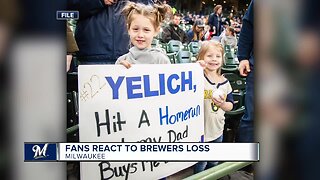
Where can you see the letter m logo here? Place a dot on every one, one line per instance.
(38, 152)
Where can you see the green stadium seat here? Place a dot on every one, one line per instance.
(183, 57)
(72, 115)
(194, 48)
(229, 69)
(155, 43)
(174, 46)
(237, 83)
(233, 117)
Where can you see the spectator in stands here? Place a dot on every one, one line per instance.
(197, 31)
(189, 19)
(215, 19)
(230, 19)
(246, 68)
(101, 32)
(217, 96)
(208, 32)
(143, 23)
(229, 38)
(173, 31)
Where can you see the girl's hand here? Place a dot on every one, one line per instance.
(218, 101)
(202, 63)
(125, 63)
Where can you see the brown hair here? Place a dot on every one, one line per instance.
(156, 13)
(201, 34)
(206, 45)
(216, 8)
(231, 29)
(177, 14)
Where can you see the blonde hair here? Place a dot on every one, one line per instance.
(155, 13)
(206, 45)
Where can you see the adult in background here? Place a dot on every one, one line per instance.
(188, 19)
(246, 68)
(229, 19)
(197, 31)
(101, 32)
(215, 21)
(173, 31)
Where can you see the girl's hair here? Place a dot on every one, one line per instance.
(216, 8)
(206, 45)
(231, 29)
(156, 13)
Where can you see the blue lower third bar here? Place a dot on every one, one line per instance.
(66, 15)
(40, 152)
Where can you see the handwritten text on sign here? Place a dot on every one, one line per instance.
(146, 103)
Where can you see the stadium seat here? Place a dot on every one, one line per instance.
(72, 115)
(233, 117)
(163, 45)
(194, 48)
(183, 57)
(155, 43)
(237, 83)
(188, 27)
(72, 82)
(229, 56)
(229, 69)
(174, 46)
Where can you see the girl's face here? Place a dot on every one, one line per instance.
(213, 58)
(141, 31)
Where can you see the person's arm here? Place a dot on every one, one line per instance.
(88, 8)
(245, 44)
(226, 106)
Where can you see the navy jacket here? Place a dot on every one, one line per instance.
(101, 32)
(245, 44)
(214, 20)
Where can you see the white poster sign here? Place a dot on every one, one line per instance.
(146, 103)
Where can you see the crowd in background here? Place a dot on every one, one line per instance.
(95, 30)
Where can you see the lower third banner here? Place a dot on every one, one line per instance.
(184, 152)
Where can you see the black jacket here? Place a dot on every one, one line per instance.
(174, 32)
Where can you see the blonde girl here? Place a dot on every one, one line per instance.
(143, 24)
(217, 95)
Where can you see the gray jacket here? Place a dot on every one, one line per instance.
(145, 56)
